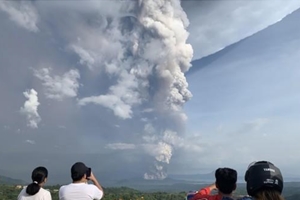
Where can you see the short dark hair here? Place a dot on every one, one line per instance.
(226, 180)
(78, 170)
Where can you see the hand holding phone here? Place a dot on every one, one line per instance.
(88, 173)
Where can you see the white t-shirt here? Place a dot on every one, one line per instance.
(41, 195)
(79, 191)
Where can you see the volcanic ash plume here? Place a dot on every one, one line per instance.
(162, 42)
(149, 59)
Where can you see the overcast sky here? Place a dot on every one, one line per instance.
(106, 85)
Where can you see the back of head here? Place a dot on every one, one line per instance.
(264, 180)
(226, 180)
(78, 170)
(38, 176)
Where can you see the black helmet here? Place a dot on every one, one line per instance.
(263, 174)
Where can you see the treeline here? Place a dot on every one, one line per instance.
(11, 193)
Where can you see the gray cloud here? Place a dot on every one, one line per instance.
(120, 146)
(23, 13)
(85, 57)
(30, 142)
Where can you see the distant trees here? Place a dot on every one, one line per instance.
(9, 192)
(124, 193)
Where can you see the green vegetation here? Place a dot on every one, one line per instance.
(9, 192)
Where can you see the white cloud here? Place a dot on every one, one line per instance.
(120, 146)
(22, 13)
(59, 87)
(30, 141)
(121, 97)
(217, 24)
(116, 48)
(116, 104)
(30, 108)
(86, 58)
(97, 48)
(161, 151)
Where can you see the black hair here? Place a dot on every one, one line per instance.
(38, 176)
(77, 176)
(78, 170)
(226, 180)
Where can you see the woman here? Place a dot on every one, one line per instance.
(34, 191)
(264, 181)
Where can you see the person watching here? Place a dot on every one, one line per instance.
(35, 190)
(225, 184)
(79, 188)
(264, 181)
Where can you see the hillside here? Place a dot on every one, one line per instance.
(11, 181)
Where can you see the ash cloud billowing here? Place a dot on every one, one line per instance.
(138, 52)
(149, 71)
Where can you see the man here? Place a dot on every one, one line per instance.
(80, 189)
(225, 184)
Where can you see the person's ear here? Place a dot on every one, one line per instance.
(45, 180)
(217, 186)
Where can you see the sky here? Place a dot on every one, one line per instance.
(113, 86)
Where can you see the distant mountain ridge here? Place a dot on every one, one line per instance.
(11, 181)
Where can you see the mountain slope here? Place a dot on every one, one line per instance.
(10, 181)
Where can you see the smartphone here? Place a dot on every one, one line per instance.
(88, 172)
